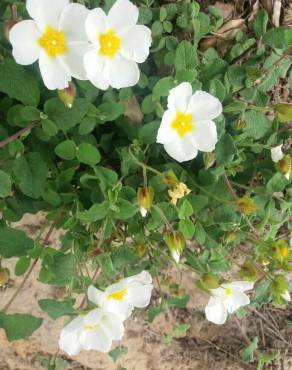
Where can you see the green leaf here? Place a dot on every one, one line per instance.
(148, 132)
(88, 154)
(217, 89)
(257, 124)
(248, 353)
(278, 37)
(22, 265)
(180, 302)
(87, 125)
(31, 172)
(163, 86)
(18, 83)
(5, 184)
(66, 150)
(276, 183)
(95, 213)
(14, 243)
(66, 118)
(62, 269)
(185, 56)
(187, 227)
(225, 213)
(118, 352)
(225, 149)
(110, 111)
(260, 23)
(284, 111)
(106, 265)
(125, 210)
(56, 308)
(185, 210)
(19, 326)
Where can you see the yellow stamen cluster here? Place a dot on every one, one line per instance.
(246, 205)
(110, 43)
(183, 123)
(92, 327)
(178, 192)
(228, 292)
(53, 42)
(118, 295)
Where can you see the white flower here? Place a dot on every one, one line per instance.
(55, 37)
(187, 125)
(143, 211)
(286, 296)
(227, 299)
(122, 297)
(96, 331)
(118, 44)
(276, 153)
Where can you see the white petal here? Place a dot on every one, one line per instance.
(54, 75)
(46, 12)
(123, 14)
(179, 96)
(181, 149)
(241, 286)
(143, 211)
(144, 277)
(219, 293)
(140, 295)
(72, 22)
(94, 295)
(166, 134)
(204, 106)
(175, 255)
(95, 24)
(235, 301)
(113, 325)
(94, 66)
(73, 59)
(205, 135)
(276, 153)
(286, 296)
(215, 311)
(23, 37)
(122, 309)
(287, 175)
(136, 42)
(69, 337)
(120, 72)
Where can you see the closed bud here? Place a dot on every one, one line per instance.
(176, 244)
(140, 249)
(209, 159)
(230, 236)
(7, 27)
(68, 95)
(248, 271)
(246, 205)
(145, 199)
(170, 178)
(4, 276)
(210, 281)
(284, 166)
(240, 124)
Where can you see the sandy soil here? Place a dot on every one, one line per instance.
(201, 348)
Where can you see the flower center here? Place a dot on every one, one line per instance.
(110, 43)
(118, 295)
(92, 327)
(183, 123)
(228, 292)
(53, 41)
(283, 251)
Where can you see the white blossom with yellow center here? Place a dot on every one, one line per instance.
(122, 297)
(55, 37)
(227, 299)
(187, 125)
(117, 45)
(94, 331)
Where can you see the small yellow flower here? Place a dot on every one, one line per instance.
(178, 192)
(246, 205)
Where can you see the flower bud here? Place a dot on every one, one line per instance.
(209, 159)
(248, 271)
(170, 178)
(176, 244)
(140, 249)
(4, 276)
(284, 166)
(240, 124)
(145, 199)
(209, 281)
(68, 95)
(8, 24)
(246, 205)
(230, 236)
